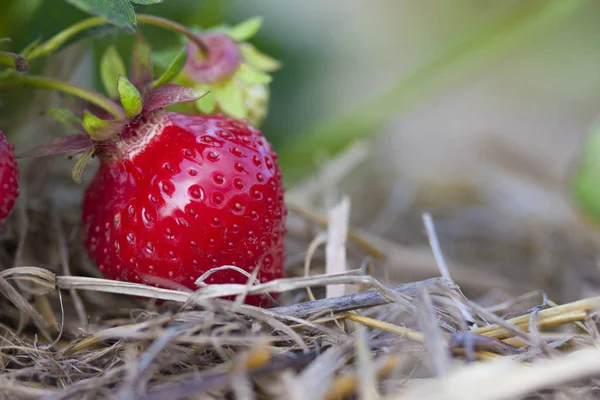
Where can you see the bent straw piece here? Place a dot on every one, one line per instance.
(575, 311)
(387, 327)
(354, 301)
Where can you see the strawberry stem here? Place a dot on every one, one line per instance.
(64, 87)
(55, 42)
(61, 38)
(173, 27)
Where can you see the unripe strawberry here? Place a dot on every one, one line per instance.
(234, 73)
(9, 178)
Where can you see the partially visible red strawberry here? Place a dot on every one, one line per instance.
(9, 178)
(180, 194)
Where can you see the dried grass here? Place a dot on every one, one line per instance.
(422, 340)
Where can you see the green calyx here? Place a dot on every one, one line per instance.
(130, 97)
(106, 119)
(258, 60)
(139, 94)
(229, 98)
(64, 116)
(245, 30)
(111, 67)
(93, 125)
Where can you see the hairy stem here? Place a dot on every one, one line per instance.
(55, 42)
(41, 82)
(61, 38)
(174, 27)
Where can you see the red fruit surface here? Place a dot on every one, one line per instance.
(9, 178)
(181, 194)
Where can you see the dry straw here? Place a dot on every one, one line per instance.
(68, 335)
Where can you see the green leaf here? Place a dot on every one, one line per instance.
(258, 60)
(130, 97)
(119, 12)
(173, 69)
(250, 76)
(65, 116)
(206, 104)
(230, 99)
(111, 66)
(245, 30)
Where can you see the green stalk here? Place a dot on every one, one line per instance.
(41, 82)
(173, 27)
(54, 43)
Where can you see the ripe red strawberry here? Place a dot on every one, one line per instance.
(9, 178)
(175, 195)
(180, 194)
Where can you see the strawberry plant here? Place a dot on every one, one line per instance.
(176, 194)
